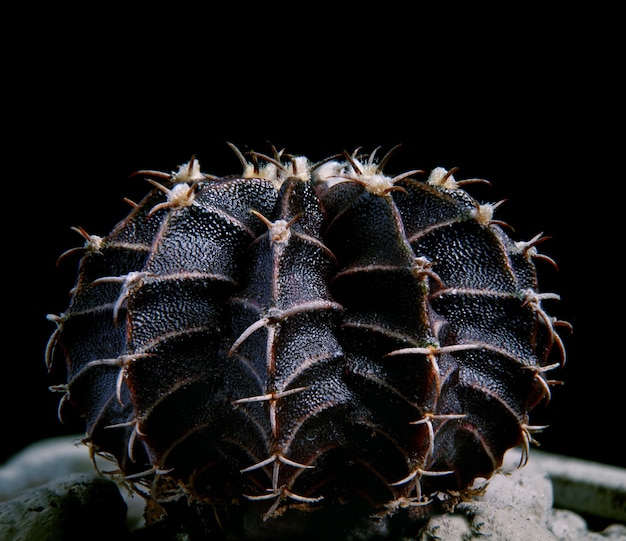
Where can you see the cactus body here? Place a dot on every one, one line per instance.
(306, 337)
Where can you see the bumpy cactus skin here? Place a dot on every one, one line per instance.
(305, 347)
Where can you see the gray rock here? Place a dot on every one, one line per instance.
(78, 507)
(53, 459)
(41, 462)
(568, 526)
(514, 507)
(521, 505)
(586, 487)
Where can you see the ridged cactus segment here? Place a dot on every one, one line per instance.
(285, 325)
(91, 338)
(177, 309)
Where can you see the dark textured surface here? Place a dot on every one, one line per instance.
(327, 335)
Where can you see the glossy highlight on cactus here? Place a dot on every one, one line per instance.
(306, 340)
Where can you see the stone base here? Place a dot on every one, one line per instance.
(51, 491)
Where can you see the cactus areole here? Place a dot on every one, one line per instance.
(305, 346)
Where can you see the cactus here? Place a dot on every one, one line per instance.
(306, 340)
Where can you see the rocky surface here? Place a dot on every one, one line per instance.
(51, 491)
(78, 506)
(520, 507)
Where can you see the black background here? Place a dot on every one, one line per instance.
(527, 101)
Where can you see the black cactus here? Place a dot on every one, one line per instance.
(306, 337)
